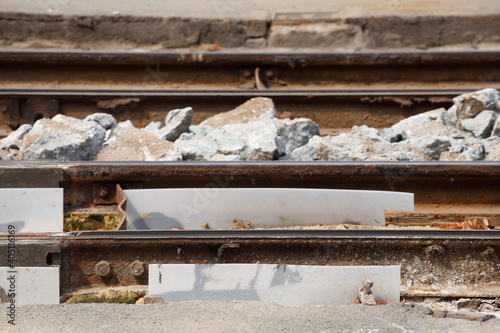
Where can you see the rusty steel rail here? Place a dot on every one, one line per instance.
(432, 182)
(276, 70)
(290, 234)
(303, 59)
(433, 263)
(443, 191)
(335, 89)
(328, 108)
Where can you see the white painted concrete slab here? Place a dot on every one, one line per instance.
(31, 285)
(31, 209)
(264, 207)
(289, 285)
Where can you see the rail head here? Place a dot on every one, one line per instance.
(280, 234)
(287, 59)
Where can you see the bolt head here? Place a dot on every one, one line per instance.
(270, 74)
(102, 268)
(137, 268)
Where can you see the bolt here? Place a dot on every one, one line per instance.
(247, 73)
(270, 74)
(489, 251)
(137, 268)
(102, 268)
(103, 191)
(302, 62)
(434, 249)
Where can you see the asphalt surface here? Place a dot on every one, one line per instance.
(206, 317)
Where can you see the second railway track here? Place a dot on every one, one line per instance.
(337, 90)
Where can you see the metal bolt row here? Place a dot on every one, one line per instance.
(103, 268)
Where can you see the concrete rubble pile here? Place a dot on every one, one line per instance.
(468, 131)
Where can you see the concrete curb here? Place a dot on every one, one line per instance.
(351, 34)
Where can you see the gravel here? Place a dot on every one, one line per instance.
(197, 316)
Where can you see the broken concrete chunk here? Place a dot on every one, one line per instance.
(449, 117)
(496, 128)
(132, 144)
(116, 130)
(63, 138)
(153, 127)
(176, 123)
(225, 158)
(481, 125)
(408, 154)
(471, 104)
(438, 122)
(365, 294)
(14, 139)
(492, 148)
(258, 108)
(362, 143)
(430, 145)
(394, 134)
(294, 133)
(251, 141)
(252, 132)
(431, 127)
(464, 149)
(104, 119)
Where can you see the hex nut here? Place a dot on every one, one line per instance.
(433, 250)
(103, 191)
(137, 268)
(102, 268)
(489, 252)
(247, 74)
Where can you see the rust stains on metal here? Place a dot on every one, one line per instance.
(443, 265)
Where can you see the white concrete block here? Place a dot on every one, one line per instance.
(31, 285)
(264, 207)
(31, 209)
(289, 285)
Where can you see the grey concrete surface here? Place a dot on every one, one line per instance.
(339, 25)
(263, 9)
(209, 317)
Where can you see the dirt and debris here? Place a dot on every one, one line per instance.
(209, 47)
(114, 103)
(466, 225)
(108, 296)
(76, 222)
(240, 225)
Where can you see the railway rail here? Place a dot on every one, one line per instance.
(333, 110)
(445, 263)
(279, 70)
(335, 89)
